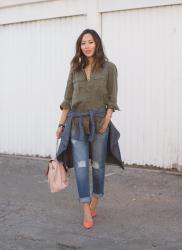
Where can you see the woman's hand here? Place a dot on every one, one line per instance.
(104, 126)
(106, 121)
(59, 132)
(62, 120)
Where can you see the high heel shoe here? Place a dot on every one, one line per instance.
(88, 224)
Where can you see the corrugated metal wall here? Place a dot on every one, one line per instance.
(34, 59)
(146, 46)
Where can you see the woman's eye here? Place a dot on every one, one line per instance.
(85, 43)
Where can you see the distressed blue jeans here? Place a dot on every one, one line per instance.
(80, 151)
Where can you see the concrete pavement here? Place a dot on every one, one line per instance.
(141, 210)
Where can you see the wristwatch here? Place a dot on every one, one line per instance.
(61, 125)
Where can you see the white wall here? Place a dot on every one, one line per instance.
(143, 38)
(35, 64)
(146, 47)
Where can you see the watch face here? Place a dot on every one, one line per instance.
(61, 125)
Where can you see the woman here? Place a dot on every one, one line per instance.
(89, 101)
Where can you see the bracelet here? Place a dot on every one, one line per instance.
(61, 125)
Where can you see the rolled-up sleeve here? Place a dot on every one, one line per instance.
(112, 87)
(66, 104)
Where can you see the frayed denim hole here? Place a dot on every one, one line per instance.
(82, 164)
(95, 164)
(73, 141)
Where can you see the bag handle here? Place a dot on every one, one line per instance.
(46, 172)
(57, 145)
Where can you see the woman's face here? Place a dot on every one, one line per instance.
(88, 45)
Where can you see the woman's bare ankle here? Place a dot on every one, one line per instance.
(87, 212)
(94, 203)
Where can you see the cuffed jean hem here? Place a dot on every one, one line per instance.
(85, 200)
(97, 195)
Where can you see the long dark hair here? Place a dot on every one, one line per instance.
(80, 60)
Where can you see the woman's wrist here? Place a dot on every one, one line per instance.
(108, 115)
(61, 125)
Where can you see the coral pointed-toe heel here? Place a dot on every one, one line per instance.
(93, 212)
(88, 224)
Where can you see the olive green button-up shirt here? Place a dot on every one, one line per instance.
(85, 95)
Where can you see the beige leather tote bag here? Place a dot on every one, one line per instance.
(58, 177)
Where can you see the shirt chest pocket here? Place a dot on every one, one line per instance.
(100, 83)
(79, 84)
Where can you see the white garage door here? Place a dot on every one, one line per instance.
(34, 68)
(146, 46)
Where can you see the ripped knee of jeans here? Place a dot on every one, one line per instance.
(73, 141)
(82, 164)
(95, 164)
